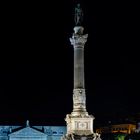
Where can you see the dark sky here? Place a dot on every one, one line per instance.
(36, 69)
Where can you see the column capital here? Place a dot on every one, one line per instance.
(78, 40)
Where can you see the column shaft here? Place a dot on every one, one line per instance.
(79, 68)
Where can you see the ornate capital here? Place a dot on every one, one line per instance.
(78, 40)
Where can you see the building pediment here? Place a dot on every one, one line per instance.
(27, 132)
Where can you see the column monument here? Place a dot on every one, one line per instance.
(79, 122)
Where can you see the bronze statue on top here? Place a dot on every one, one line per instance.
(78, 15)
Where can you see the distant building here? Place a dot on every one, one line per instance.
(32, 133)
(138, 128)
(118, 128)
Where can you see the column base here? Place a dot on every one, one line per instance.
(79, 124)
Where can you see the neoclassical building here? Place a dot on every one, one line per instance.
(32, 132)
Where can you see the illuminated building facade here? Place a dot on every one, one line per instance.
(31, 132)
(122, 128)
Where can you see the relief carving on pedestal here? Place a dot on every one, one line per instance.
(79, 96)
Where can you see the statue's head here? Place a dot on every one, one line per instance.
(78, 5)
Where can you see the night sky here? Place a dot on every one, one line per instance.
(36, 68)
